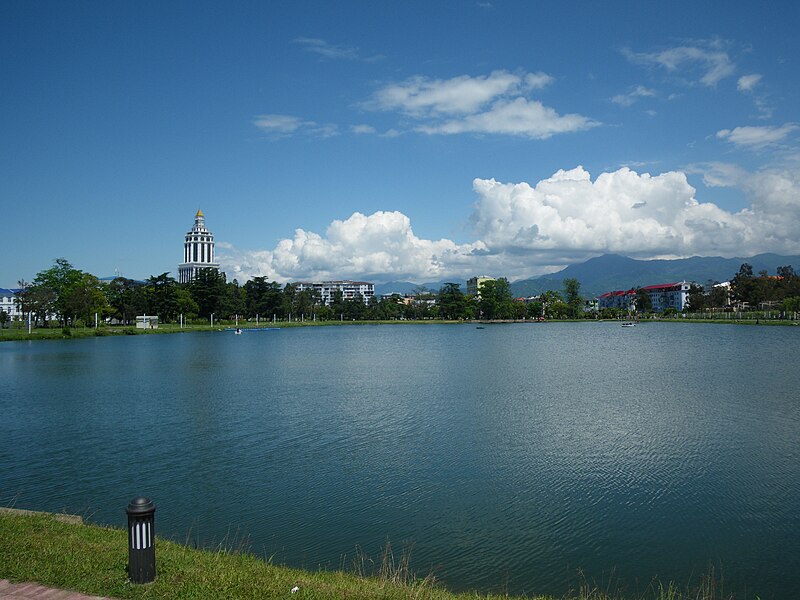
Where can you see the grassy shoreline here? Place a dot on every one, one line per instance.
(57, 333)
(41, 548)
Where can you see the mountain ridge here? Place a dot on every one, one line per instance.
(610, 272)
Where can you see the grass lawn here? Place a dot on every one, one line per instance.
(93, 560)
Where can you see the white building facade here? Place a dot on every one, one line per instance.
(8, 303)
(198, 250)
(662, 297)
(349, 289)
(668, 295)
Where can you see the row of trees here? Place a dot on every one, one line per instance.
(781, 291)
(73, 297)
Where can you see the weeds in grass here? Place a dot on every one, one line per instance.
(391, 569)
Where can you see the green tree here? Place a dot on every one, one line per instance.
(788, 282)
(743, 284)
(717, 296)
(234, 300)
(262, 298)
(572, 293)
(792, 304)
(643, 302)
(186, 304)
(50, 290)
(3, 319)
(84, 298)
(208, 289)
(161, 297)
(287, 304)
(337, 304)
(126, 299)
(696, 300)
(451, 302)
(496, 301)
(557, 309)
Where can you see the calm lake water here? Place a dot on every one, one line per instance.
(506, 458)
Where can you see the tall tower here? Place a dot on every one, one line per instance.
(198, 250)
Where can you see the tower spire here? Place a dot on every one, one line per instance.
(198, 250)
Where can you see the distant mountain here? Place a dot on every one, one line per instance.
(407, 287)
(614, 272)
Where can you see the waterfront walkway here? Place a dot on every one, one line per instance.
(34, 591)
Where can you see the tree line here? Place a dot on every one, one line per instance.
(73, 297)
(748, 290)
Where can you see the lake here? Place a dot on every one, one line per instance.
(506, 458)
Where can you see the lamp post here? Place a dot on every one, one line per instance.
(141, 540)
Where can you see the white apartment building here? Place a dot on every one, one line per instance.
(668, 295)
(8, 304)
(349, 289)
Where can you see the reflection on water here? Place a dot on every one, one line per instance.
(509, 457)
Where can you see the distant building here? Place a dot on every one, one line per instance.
(146, 322)
(668, 295)
(349, 289)
(624, 300)
(474, 284)
(662, 297)
(725, 286)
(198, 250)
(8, 303)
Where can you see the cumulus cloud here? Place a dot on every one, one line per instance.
(756, 137)
(378, 246)
(497, 103)
(706, 60)
(279, 126)
(633, 214)
(523, 229)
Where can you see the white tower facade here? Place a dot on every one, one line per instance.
(198, 250)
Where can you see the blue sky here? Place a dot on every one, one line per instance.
(386, 141)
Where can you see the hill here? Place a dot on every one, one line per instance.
(614, 272)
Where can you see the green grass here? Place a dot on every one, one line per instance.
(18, 333)
(93, 560)
(58, 333)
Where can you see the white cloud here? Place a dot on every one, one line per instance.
(756, 137)
(332, 51)
(537, 81)
(460, 95)
(633, 95)
(517, 117)
(638, 215)
(379, 246)
(496, 104)
(523, 230)
(747, 83)
(363, 129)
(706, 59)
(278, 126)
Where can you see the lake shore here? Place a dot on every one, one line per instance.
(67, 554)
(56, 333)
